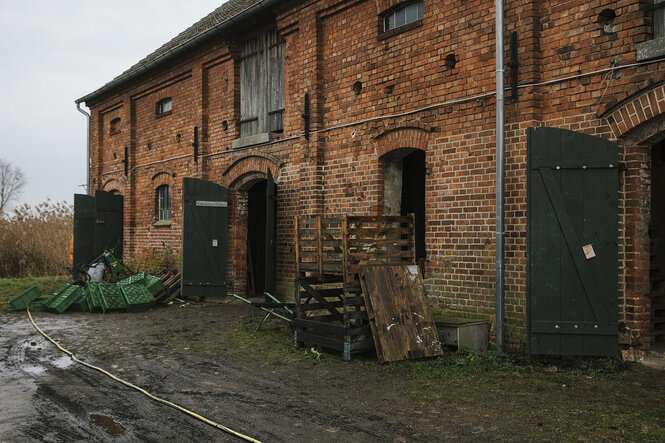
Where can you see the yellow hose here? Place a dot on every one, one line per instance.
(148, 394)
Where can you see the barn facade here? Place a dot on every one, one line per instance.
(371, 107)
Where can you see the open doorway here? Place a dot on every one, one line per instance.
(261, 235)
(657, 237)
(256, 238)
(404, 190)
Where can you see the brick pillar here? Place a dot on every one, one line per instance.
(635, 306)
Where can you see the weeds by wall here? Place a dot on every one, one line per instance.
(34, 240)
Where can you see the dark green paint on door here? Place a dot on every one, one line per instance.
(205, 224)
(84, 228)
(572, 203)
(108, 223)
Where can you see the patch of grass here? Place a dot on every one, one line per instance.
(11, 288)
(271, 345)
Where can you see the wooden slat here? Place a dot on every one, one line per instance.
(380, 242)
(297, 245)
(313, 292)
(399, 313)
(362, 232)
(379, 219)
(377, 255)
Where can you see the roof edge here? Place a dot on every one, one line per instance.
(261, 5)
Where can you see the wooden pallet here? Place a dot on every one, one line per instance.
(330, 251)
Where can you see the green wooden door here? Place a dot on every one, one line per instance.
(84, 225)
(205, 223)
(572, 214)
(108, 223)
(271, 235)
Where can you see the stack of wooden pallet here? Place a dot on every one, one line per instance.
(330, 252)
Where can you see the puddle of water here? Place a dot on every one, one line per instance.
(33, 369)
(110, 426)
(62, 362)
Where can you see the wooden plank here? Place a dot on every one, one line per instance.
(313, 292)
(399, 313)
(377, 242)
(379, 219)
(362, 232)
(345, 249)
(378, 254)
(319, 245)
(297, 244)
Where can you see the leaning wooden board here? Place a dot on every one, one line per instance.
(399, 313)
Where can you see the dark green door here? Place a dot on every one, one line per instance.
(84, 226)
(108, 223)
(572, 214)
(205, 223)
(271, 234)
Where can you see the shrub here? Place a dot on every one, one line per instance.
(34, 240)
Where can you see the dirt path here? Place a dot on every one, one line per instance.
(193, 356)
(50, 398)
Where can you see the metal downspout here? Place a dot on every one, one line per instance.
(87, 139)
(500, 122)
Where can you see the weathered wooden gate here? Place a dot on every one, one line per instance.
(572, 214)
(205, 224)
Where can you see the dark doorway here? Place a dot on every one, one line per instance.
(413, 196)
(657, 237)
(256, 238)
(404, 190)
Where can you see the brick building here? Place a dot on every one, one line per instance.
(398, 101)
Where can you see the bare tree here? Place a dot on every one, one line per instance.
(12, 182)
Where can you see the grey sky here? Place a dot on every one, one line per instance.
(54, 52)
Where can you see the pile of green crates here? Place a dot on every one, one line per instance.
(132, 294)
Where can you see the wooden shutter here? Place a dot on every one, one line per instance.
(262, 84)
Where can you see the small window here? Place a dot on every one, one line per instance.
(164, 107)
(164, 203)
(115, 126)
(403, 15)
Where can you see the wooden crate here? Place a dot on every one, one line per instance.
(330, 252)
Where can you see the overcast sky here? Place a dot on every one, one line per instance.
(53, 52)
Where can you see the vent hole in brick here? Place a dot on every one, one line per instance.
(450, 61)
(177, 138)
(225, 125)
(149, 146)
(606, 19)
(115, 155)
(389, 89)
(357, 88)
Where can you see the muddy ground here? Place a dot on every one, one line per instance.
(207, 357)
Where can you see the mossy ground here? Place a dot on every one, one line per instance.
(518, 395)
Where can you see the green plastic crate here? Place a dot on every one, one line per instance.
(64, 298)
(96, 301)
(41, 304)
(137, 297)
(154, 284)
(113, 297)
(25, 298)
(134, 279)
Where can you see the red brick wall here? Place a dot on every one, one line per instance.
(450, 115)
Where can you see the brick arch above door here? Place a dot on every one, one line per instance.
(639, 108)
(115, 183)
(249, 165)
(416, 136)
